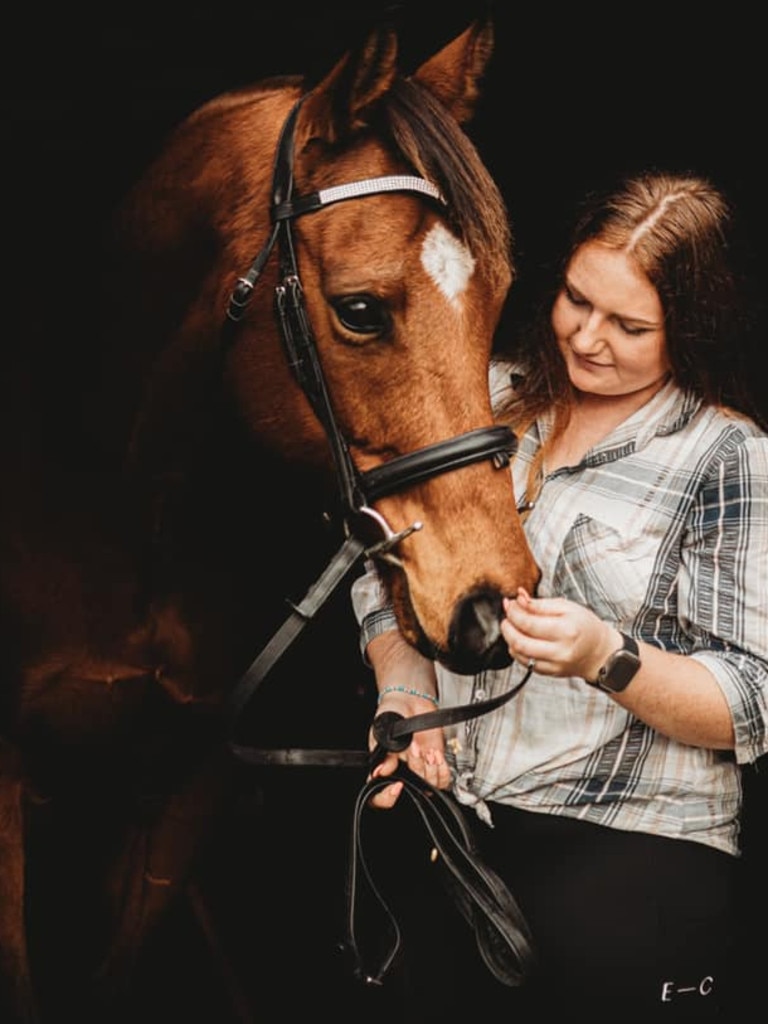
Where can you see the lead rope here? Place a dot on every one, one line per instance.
(347, 555)
(481, 897)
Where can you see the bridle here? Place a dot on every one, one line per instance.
(357, 490)
(497, 920)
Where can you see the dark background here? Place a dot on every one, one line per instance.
(571, 99)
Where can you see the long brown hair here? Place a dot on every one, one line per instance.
(678, 227)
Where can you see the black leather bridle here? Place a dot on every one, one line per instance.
(358, 490)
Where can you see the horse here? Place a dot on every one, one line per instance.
(298, 313)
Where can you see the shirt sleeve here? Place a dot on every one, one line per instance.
(372, 607)
(723, 587)
(501, 376)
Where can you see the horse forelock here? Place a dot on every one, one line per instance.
(433, 143)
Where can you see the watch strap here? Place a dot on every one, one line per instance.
(620, 668)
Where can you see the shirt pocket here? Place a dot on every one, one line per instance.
(609, 566)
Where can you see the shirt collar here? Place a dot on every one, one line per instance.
(668, 411)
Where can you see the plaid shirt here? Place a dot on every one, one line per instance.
(662, 530)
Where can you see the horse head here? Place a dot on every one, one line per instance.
(401, 291)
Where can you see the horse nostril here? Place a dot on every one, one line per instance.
(475, 636)
(488, 614)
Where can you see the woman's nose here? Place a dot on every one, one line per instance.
(587, 334)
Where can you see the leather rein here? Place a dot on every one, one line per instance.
(358, 490)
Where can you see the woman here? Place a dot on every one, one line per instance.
(609, 788)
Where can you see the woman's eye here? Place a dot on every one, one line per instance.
(573, 297)
(362, 314)
(633, 332)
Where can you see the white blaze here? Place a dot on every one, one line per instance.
(448, 262)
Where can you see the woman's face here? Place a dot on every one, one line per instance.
(609, 324)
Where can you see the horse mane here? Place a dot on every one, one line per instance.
(429, 139)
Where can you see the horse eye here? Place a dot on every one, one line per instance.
(362, 314)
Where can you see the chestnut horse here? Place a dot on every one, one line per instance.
(299, 317)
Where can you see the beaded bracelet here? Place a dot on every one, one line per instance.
(407, 690)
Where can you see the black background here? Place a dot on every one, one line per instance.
(572, 98)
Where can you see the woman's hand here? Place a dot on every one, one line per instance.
(562, 637)
(425, 754)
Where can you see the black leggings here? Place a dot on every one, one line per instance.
(623, 921)
(627, 926)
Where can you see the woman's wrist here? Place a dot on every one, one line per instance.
(408, 692)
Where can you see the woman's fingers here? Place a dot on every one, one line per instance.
(386, 798)
(429, 764)
(425, 761)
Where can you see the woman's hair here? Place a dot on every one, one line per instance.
(677, 227)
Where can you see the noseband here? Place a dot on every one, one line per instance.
(358, 490)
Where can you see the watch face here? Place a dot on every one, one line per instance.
(619, 671)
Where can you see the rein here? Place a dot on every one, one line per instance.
(358, 490)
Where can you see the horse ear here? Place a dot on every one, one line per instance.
(339, 105)
(453, 74)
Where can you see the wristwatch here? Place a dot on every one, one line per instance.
(619, 670)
